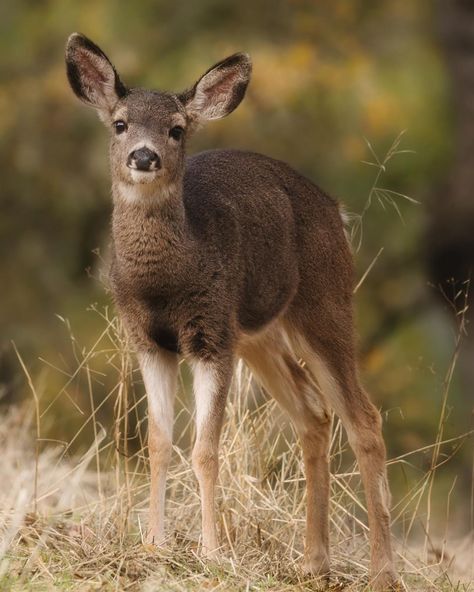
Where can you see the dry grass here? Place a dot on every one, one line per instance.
(71, 521)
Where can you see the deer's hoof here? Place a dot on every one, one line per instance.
(317, 566)
(154, 540)
(213, 554)
(386, 581)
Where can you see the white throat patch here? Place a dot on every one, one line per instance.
(144, 191)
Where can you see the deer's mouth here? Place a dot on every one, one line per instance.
(144, 176)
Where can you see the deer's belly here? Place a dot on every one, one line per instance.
(265, 302)
(165, 337)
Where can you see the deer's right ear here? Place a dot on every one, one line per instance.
(91, 74)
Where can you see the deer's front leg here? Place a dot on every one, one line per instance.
(211, 384)
(160, 372)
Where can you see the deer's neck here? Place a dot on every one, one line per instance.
(149, 230)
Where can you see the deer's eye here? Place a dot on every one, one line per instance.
(120, 126)
(176, 132)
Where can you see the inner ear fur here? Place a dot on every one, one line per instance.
(220, 90)
(91, 74)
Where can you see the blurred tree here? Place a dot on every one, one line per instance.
(451, 212)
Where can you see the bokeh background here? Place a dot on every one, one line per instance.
(334, 84)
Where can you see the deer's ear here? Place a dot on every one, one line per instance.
(220, 90)
(91, 74)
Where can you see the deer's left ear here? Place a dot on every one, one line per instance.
(220, 90)
(91, 75)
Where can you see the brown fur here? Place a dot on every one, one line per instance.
(228, 254)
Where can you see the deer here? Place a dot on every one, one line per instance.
(228, 255)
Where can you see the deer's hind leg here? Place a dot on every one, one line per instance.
(330, 357)
(276, 368)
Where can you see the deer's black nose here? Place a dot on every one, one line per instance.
(144, 159)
